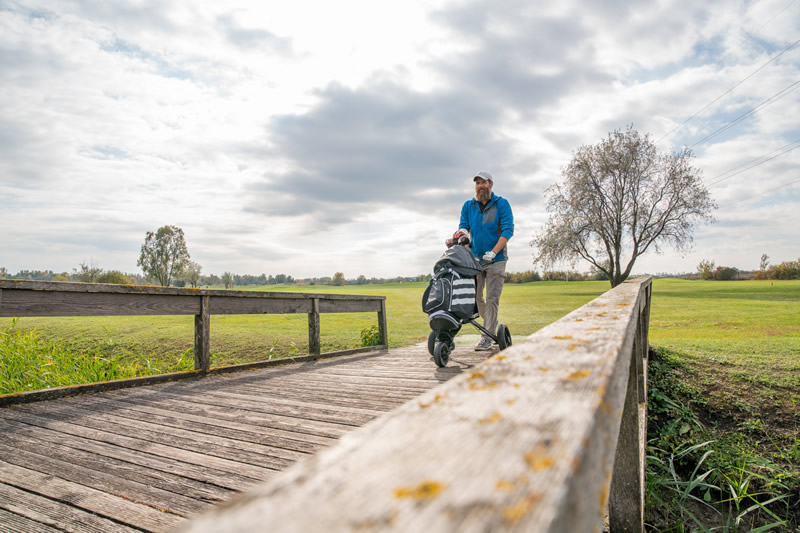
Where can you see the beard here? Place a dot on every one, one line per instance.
(483, 195)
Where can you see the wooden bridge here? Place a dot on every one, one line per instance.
(545, 436)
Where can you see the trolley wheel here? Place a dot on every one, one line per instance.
(503, 337)
(432, 341)
(441, 354)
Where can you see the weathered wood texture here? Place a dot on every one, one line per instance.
(147, 458)
(46, 298)
(525, 441)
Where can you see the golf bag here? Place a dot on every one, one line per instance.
(449, 298)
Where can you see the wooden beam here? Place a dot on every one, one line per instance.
(351, 306)
(231, 305)
(524, 441)
(59, 303)
(202, 327)
(57, 286)
(313, 328)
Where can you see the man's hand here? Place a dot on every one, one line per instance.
(489, 256)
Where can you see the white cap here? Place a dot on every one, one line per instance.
(484, 176)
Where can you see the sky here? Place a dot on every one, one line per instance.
(309, 137)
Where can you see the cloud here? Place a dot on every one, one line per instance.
(255, 40)
(380, 144)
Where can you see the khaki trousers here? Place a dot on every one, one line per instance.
(492, 278)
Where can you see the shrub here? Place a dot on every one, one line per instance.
(114, 276)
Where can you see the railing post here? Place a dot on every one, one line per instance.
(202, 324)
(313, 328)
(384, 331)
(626, 498)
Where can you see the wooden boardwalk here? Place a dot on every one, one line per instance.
(145, 459)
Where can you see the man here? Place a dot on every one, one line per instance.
(488, 217)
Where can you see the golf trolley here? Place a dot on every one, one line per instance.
(441, 348)
(450, 301)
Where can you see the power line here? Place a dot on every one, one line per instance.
(790, 4)
(770, 100)
(729, 90)
(759, 194)
(754, 161)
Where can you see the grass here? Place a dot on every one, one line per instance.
(724, 404)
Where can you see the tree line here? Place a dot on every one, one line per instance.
(708, 270)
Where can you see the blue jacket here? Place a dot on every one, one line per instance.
(487, 224)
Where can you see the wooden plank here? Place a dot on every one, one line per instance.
(102, 481)
(524, 441)
(204, 437)
(87, 498)
(305, 444)
(39, 303)
(202, 333)
(335, 416)
(343, 397)
(231, 305)
(204, 407)
(206, 445)
(34, 442)
(313, 328)
(14, 523)
(49, 514)
(349, 306)
(218, 482)
(234, 467)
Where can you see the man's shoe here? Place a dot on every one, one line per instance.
(484, 345)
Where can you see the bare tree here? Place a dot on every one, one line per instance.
(619, 199)
(89, 272)
(764, 262)
(164, 255)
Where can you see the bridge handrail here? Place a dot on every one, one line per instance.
(21, 298)
(544, 436)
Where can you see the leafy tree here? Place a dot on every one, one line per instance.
(764, 262)
(725, 273)
(338, 279)
(60, 277)
(227, 280)
(191, 274)
(619, 199)
(706, 269)
(164, 255)
(3, 273)
(114, 276)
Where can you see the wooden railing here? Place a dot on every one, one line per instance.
(546, 436)
(40, 298)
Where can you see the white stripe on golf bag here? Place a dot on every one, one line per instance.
(464, 301)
